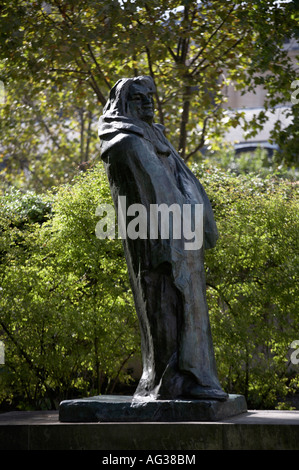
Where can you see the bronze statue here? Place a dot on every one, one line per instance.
(168, 280)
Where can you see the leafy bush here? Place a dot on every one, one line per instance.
(256, 162)
(251, 278)
(67, 315)
(67, 318)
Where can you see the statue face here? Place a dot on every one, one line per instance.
(141, 103)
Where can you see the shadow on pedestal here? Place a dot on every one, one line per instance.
(113, 408)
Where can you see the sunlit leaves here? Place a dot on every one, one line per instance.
(72, 53)
(68, 308)
(251, 275)
(66, 313)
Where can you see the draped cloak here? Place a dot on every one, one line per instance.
(168, 281)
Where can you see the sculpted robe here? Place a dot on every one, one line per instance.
(168, 281)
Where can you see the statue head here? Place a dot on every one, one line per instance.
(132, 98)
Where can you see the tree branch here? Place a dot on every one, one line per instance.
(184, 122)
(202, 139)
(185, 40)
(211, 37)
(221, 295)
(97, 90)
(93, 82)
(174, 56)
(119, 371)
(88, 136)
(52, 69)
(39, 372)
(196, 72)
(42, 121)
(98, 67)
(152, 74)
(62, 10)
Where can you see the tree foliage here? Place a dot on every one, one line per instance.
(58, 61)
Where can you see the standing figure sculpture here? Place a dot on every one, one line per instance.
(167, 280)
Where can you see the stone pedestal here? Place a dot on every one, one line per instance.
(253, 430)
(113, 408)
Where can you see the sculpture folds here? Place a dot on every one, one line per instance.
(168, 280)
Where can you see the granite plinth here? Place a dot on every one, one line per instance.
(113, 408)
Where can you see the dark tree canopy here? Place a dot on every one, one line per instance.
(58, 61)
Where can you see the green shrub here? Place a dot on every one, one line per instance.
(67, 317)
(251, 278)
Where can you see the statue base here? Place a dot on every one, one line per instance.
(114, 408)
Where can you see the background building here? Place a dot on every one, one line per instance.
(251, 104)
